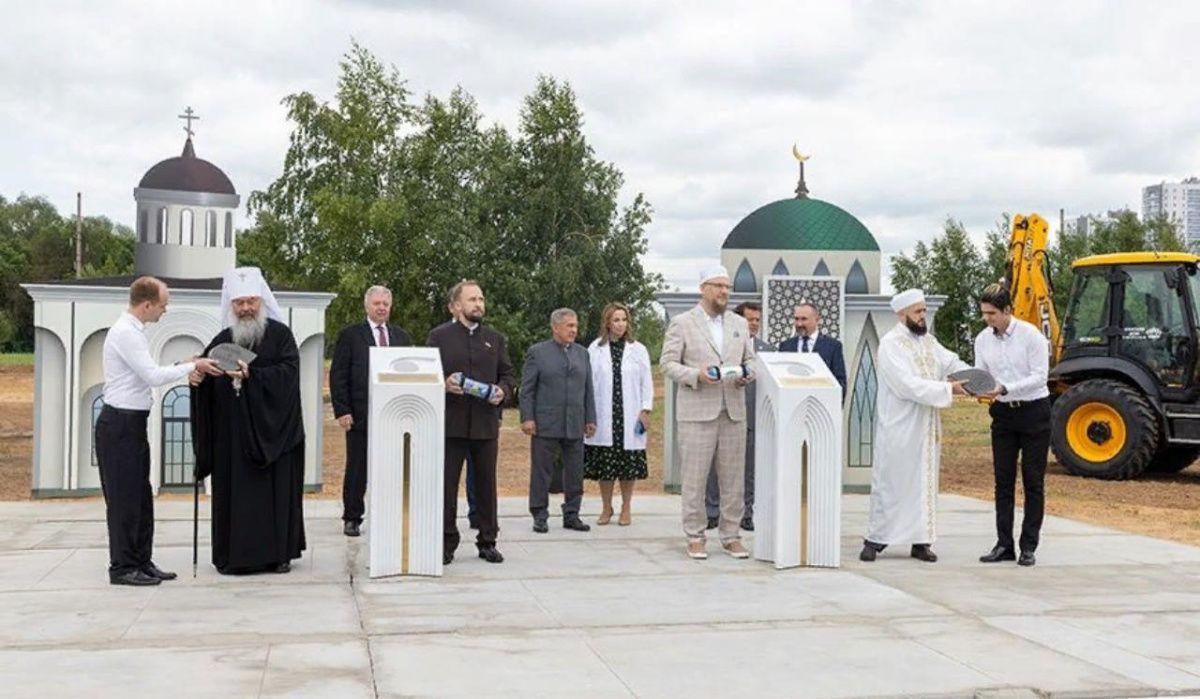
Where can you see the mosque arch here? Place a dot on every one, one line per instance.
(822, 269)
(856, 280)
(860, 426)
(780, 269)
(744, 280)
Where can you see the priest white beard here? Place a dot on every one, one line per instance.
(248, 332)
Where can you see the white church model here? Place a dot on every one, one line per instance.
(185, 236)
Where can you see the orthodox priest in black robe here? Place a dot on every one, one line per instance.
(248, 434)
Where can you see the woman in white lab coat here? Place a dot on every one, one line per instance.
(623, 387)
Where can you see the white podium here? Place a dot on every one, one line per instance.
(405, 449)
(798, 462)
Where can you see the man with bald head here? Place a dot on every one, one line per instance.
(122, 450)
(912, 370)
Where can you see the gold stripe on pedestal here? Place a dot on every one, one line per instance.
(395, 377)
(405, 517)
(804, 504)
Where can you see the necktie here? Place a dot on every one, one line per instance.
(804, 349)
(382, 336)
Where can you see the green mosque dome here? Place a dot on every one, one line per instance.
(800, 223)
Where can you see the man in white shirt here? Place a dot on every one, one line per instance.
(1017, 355)
(122, 450)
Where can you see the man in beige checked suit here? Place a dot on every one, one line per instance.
(711, 413)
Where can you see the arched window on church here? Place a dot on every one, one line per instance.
(822, 269)
(860, 432)
(187, 229)
(143, 226)
(856, 280)
(780, 269)
(177, 457)
(228, 229)
(744, 280)
(97, 406)
(210, 228)
(160, 230)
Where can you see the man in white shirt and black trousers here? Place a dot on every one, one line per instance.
(1017, 355)
(122, 449)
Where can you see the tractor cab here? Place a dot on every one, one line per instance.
(1128, 369)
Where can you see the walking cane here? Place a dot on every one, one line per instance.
(195, 523)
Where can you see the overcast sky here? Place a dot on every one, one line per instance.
(913, 111)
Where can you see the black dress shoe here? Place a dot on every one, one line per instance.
(748, 524)
(922, 552)
(156, 572)
(713, 522)
(997, 554)
(351, 529)
(575, 523)
(490, 554)
(540, 526)
(447, 557)
(134, 577)
(280, 568)
(1026, 559)
(870, 550)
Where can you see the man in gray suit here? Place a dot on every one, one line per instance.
(557, 412)
(752, 312)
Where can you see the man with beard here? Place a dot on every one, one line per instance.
(248, 433)
(912, 368)
(710, 412)
(470, 350)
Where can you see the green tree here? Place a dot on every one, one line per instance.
(376, 189)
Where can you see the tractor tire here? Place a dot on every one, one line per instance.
(1172, 459)
(1106, 429)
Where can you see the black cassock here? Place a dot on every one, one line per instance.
(252, 444)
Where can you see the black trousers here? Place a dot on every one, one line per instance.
(1020, 430)
(123, 455)
(482, 453)
(354, 481)
(545, 451)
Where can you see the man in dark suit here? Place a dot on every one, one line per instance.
(477, 352)
(807, 319)
(557, 412)
(348, 386)
(752, 312)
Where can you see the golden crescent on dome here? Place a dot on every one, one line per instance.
(797, 155)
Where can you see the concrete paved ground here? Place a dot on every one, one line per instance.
(615, 612)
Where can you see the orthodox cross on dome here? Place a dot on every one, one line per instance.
(189, 116)
(801, 188)
(242, 276)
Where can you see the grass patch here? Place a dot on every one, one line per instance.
(16, 359)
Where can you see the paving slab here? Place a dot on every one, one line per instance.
(614, 612)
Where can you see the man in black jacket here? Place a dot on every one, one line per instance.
(348, 386)
(470, 350)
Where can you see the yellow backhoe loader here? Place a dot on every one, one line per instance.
(1125, 375)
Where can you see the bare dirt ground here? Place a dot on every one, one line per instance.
(1161, 506)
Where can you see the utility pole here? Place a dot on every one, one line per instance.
(78, 234)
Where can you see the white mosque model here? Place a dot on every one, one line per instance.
(185, 236)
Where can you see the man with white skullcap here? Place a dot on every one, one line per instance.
(711, 411)
(248, 434)
(912, 370)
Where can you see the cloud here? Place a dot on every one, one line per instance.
(914, 112)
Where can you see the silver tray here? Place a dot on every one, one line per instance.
(977, 380)
(227, 354)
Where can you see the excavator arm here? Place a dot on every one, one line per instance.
(1028, 277)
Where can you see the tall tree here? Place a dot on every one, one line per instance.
(377, 189)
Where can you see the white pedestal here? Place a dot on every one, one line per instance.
(798, 462)
(405, 467)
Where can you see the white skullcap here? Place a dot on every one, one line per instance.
(904, 299)
(715, 272)
(243, 282)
